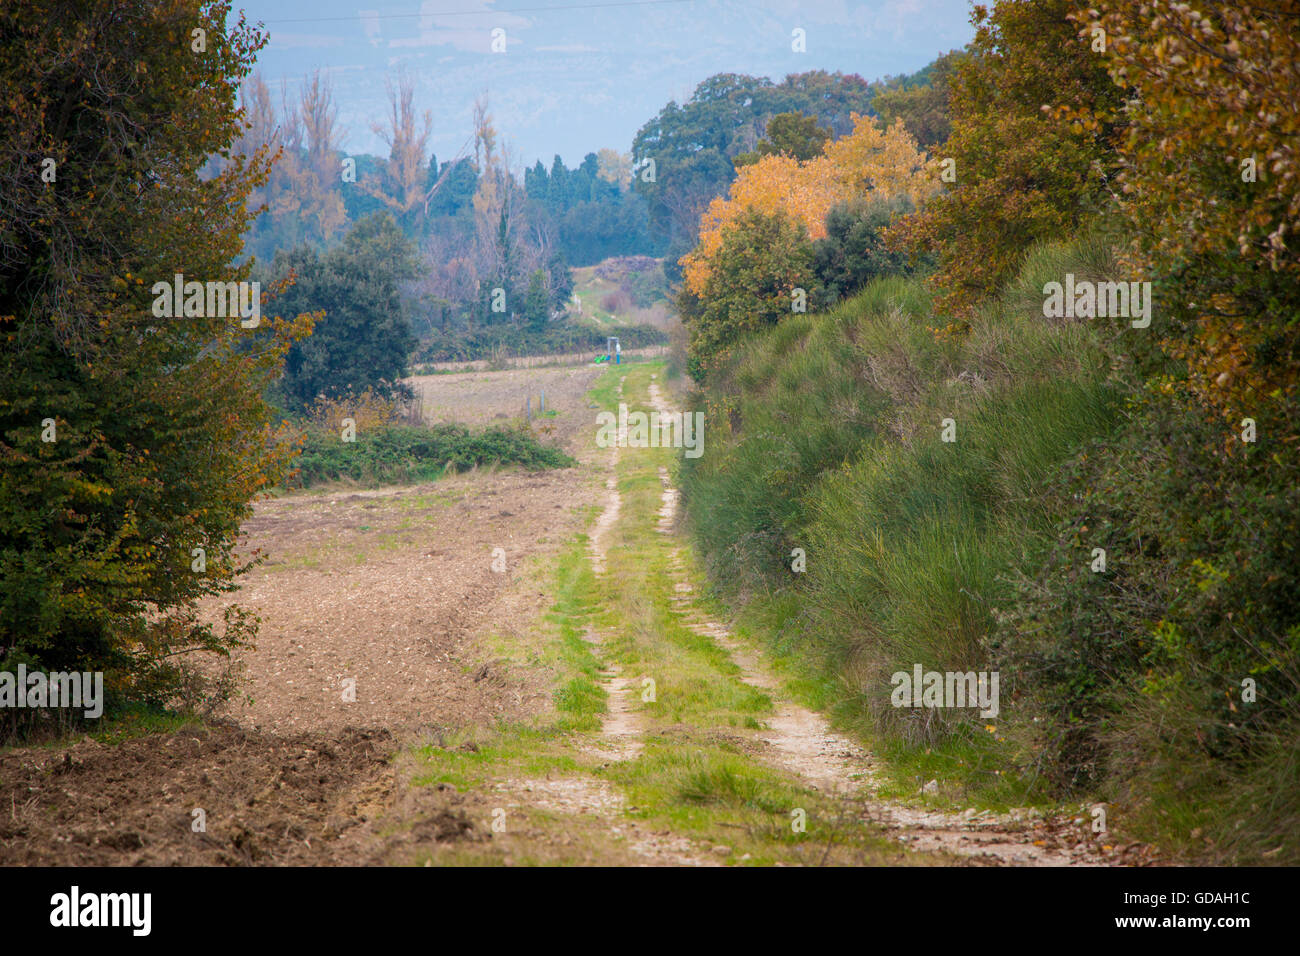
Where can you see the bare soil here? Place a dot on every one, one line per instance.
(264, 798)
(393, 589)
(379, 610)
(480, 398)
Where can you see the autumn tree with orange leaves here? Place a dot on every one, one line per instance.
(788, 201)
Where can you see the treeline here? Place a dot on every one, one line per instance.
(484, 253)
(610, 204)
(593, 209)
(485, 265)
(946, 469)
(685, 156)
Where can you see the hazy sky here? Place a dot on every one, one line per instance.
(580, 74)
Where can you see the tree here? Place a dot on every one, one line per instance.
(364, 338)
(455, 197)
(615, 167)
(788, 134)
(537, 309)
(300, 201)
(760, 264)
(882, 163)
(402, 186)
(692, 145)
(923, 107)
(854, 250)
(1208, 187)
(131, 443)
(559, 279)
(1025, 167)
(497, 218)
(589, 217)
(320, 171)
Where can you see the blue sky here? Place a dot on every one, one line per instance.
(578, 75)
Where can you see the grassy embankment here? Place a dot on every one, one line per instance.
(836, 448)
(979, 554)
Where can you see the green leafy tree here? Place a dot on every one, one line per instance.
(763, 259)
(537, 308)
(364, 338)
(923, 106)
(559, 279)
(455, 196)
(128, 440)
(596, 218)
(788, 134)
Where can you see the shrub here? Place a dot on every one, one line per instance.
(399, 454)
(762, 260)
(514, 340)
(854, 250)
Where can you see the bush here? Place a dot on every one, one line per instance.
(368, 410)
(647, 286)
(1201, 591)
(854, 251)
(400, 454)
(615, 302)
(763, 258)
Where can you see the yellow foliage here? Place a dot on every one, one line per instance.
(883, 160)
(870, 160)
(366, 409)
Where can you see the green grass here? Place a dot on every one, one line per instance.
(909, 539)
(124, 722)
